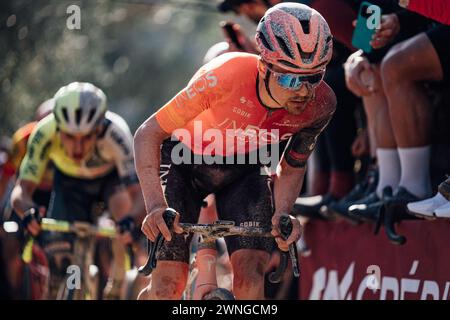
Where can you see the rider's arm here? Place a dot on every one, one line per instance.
(208, 85)
(147, 148)
(287, 186)
(205, 86)
(291, 170)
(33, 165)
(21, 196)
(292, 167)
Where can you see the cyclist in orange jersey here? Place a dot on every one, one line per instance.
(215, 135)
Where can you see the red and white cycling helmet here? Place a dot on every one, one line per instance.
(295, 37)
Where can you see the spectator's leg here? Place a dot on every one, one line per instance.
(381, 133)
(405, 65)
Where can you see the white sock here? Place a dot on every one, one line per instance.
(415, 177)
(389, 169)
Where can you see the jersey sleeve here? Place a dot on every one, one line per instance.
(206, 87)
(302, 144)
(19, 144)
(37, 155)
(121, 144)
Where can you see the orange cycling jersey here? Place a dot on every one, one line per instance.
(223, 96)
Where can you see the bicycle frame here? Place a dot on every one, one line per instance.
(83, 248)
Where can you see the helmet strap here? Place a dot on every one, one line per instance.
(266, 83)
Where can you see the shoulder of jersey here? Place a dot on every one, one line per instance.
(115, 122)
(117, 133)
(231, 68)
(47, 125)
(326, 98)
(234, 62)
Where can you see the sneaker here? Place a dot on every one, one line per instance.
(443, 211)
(425, 208)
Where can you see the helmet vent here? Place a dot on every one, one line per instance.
(288, 64)
(65, 114)
(78, 116)
(264, 41)
(284, 47)
(305, 26)
(91, 115)
(305, 55)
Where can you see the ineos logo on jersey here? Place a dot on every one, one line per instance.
(252, 131)
(209, 80)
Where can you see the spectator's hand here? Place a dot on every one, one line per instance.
(355, 67)
(295, 234)
(154, 223)
(245, 42)
(361, 145)
(389, 28)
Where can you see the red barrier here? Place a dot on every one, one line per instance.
(350, 262)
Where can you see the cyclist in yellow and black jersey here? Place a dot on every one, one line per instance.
(92, 152)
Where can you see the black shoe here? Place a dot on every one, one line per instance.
(394, 210)
(401, 197)
(309, 206)
(359, 191)
(368, 208)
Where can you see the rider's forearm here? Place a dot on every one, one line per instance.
(21, 199)
(287, 186)
(147, 158)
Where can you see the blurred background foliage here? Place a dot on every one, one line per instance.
(141, 53)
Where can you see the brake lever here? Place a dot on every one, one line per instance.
(286, 230)
(154, 247)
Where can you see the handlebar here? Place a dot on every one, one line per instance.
(81, 229)
(222, 228)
